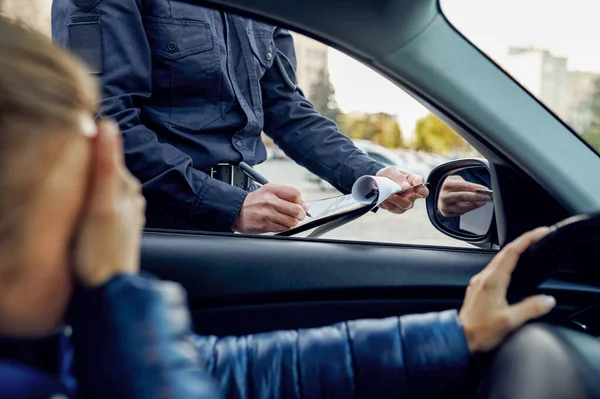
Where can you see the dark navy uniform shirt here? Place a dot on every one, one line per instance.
(192, 87)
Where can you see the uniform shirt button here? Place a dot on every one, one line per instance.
(171, 46)
(238, 143)
(269, 56)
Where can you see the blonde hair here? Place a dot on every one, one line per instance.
(43, 93)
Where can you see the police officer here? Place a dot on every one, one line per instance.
(192, 89)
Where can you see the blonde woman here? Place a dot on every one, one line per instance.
(76, 319)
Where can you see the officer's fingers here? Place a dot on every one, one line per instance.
(422, 192)
(415, 180)
(473, 187)
(464, 196)
(454, 185)
(287, 193)
(388, 206)
(398, 176)
(273, 227)
(289, 208)
(462, 186)
(398, 204)
(282, 219)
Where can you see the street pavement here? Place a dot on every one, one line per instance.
(413, 227)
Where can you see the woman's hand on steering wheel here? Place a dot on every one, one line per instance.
(486, 315)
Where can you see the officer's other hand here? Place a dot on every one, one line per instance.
(273, 208)
(459, 196)
(400, 203)
(486, 316)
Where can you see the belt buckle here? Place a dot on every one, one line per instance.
(232, 168)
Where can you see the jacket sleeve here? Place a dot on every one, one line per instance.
(111, 38)
(300, 131)
(390, 358)
(131, 340)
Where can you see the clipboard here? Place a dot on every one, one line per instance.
(368, 192)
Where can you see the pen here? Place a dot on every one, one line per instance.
(257, 177)
(253, 174)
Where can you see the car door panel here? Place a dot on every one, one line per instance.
(242, 284)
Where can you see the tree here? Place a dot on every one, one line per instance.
(433, 135)
(322, 96)
(380, 128)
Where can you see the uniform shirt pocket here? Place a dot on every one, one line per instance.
(183, 59)
(263, 45)
(185, 73)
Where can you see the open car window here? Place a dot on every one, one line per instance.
(381, 119)
(549, 47)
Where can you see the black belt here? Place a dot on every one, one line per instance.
(230, 174)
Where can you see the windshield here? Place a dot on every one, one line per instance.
(549, 47)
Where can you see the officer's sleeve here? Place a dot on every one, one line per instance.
(110, 38)
(301, 132)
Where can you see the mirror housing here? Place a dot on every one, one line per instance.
(469, 221)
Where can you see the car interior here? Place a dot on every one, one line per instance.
(540, 172)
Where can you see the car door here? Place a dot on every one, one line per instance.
(241, 284)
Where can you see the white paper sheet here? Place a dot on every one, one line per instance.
(364, 191)
(366, 185)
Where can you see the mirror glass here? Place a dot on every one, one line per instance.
(465, 201)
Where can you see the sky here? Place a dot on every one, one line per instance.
(565, 28)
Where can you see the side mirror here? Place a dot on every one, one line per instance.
(461, 201)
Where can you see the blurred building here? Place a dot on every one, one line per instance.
(581, 87)
(542, 73)
(312, 56)
(34, 13)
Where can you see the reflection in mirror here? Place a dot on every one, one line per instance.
(465, 202)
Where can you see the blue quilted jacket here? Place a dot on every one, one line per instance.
(132, 339)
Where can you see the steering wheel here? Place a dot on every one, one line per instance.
(541, 361)
(544, 362)
(573, 241)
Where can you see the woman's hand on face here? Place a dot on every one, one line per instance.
(109, 236)
(485, 315)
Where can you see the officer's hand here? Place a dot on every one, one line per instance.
(400, 203)
(273, 208)
(459, 196)
(486, 316)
